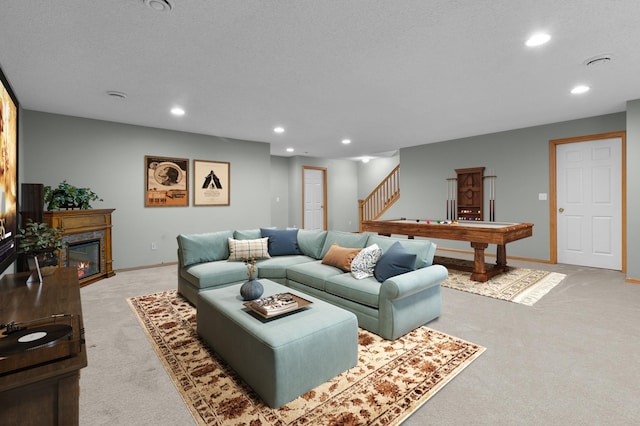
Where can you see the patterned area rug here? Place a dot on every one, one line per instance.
(519, 285)
(391, 381)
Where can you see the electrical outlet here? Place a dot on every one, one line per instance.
(154, 246)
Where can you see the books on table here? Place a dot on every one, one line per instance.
(275, 304)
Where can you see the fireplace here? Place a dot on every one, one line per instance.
(85, 256)
(86, 238)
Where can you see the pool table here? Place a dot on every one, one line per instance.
(479, 234)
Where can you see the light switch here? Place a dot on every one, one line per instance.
(542, 196)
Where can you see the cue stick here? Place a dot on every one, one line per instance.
(491, 197)
(449, 197)
(492, 212)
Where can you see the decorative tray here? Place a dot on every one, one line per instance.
(301, 304)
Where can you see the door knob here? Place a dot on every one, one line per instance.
(560, 209)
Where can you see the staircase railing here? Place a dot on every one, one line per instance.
(381, 198)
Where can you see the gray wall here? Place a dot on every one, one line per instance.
(633, 192)
(371, 174)
(109, 158)
(520, 159)
(280, 192)
(342, 192)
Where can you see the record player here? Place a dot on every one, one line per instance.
(27, 344)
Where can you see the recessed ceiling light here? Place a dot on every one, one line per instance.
(290, 149)
(278, 129)
(346, 141)
(538, 39)
(158, 5)
(580, 89)
(365, 159)
(177, 111)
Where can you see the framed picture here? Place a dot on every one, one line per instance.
(211, 183)
(166, 182)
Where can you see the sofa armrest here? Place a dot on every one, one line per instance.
(410, 300)
(409, 283)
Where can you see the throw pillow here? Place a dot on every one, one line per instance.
(281, 241)
(248, 249)
(394, 261)
(340, 257)
(344, 239)
(207, 247)
(363, 264)
(247, 234)
(311, 242)
(423, 249)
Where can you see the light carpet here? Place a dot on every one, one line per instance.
(519, 285)
(391, 381)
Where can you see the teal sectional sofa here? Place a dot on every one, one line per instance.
(402, 294)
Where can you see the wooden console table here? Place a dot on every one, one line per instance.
(41, 386)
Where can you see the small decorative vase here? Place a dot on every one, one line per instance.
(251, 289)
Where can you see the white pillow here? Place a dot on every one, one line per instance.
(363, 264)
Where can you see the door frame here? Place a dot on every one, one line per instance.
(324, 194)
(553, 202)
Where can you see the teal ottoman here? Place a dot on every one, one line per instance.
(279, 358)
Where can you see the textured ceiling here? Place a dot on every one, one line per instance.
(385, 74)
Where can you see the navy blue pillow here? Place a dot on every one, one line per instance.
(281, 241)
(395, 261)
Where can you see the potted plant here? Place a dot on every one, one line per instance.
(66, 196)
(39, 240)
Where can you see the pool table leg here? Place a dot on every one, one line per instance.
(479, 271)
(501, 258)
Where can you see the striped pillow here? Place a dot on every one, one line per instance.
(248, 249)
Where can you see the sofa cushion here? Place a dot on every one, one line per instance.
(276, 267)
(213, 274)
(423, 249)
(365, 291)
(343, 239)
(311, 242)
(247, 234)
(363, 264)
(207, 247)
(340, 257)
(281, 241)
(395, 261)
(312, 274)
(248, 249)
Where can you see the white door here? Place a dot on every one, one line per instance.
(589, 203)
(313, 199)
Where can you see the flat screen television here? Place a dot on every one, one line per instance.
(8, 173)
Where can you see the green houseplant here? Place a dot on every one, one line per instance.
(39, 240)
(67, 196)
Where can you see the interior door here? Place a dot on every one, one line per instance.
(314, 198)
(589, 203)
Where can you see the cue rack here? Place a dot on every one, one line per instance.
(465, 194)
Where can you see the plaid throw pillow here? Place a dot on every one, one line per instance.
(248, 249)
